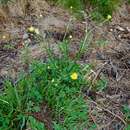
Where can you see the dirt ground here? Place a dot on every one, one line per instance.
(112, 60)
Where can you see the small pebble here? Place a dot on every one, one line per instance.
(25, 36)
(4, 37)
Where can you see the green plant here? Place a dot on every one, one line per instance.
(102, 8)
(4, 1)
(77, 5)
(9, 46)
(14, 104)
(105, 7)
(10, 106)
(127, 127)
(101, 84)
(102, 43)
(59, 82)
(126, 111)
(62, 93)
(34, 124)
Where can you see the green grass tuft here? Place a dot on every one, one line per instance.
(51, 82)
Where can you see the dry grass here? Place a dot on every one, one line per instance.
(3, 13)
(38, 6)
(21, 8)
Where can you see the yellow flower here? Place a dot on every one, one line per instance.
(37, 31)
(48, 67)
(109, 17)
(52, 80)
(31, 29)
(74, 76)
(4, 37)
(71, 7)
(40, 15)
(70, 36)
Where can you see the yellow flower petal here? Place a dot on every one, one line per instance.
(31, 29)
(40, 15)
(4, 37)
(71, 7)
(74, 76)
(37, 31)
(109, 17)
(70, 36)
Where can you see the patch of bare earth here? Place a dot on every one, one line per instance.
(113, 61)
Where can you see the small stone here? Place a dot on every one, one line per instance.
(128, 62)
(25, 36)
(119, 36)
(128, 29)
(120, 28)
(111, 29)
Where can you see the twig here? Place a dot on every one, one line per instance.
(108, 124)
(104, 109)
(96, 75)
(109, 98)
(99, 71)
(93, 119)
